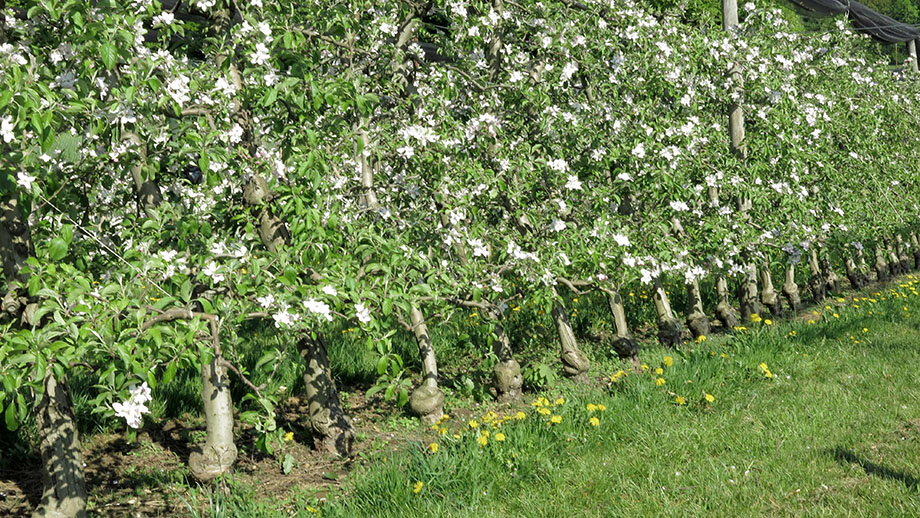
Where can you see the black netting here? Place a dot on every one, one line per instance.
(877, 25)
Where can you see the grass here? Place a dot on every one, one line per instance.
(833, 431)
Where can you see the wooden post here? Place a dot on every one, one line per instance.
(735, 113)
(912, 52)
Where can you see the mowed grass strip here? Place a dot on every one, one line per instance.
(834, 431)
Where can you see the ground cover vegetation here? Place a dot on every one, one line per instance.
(408, 184)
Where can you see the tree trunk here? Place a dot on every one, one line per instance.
(791, 290)
(426, 401)
(146, 189)
(332, 429)
(894, 264)
(625, 345)
(574, 362)
(901, 252)
(669, 328)
(15, 248)
(857, 278)
(217, 455)
(881, 266)
(64, 495)
(749, 303)
(697, 321)
(506, 376)
(724, 310)
(832, 280)
(768, 295)
(817, 282)
(915, 244)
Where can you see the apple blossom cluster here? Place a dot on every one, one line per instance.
(134, 408)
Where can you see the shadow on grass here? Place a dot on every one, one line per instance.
(871, 468)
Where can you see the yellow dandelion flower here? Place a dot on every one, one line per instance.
(312, 510)
(289, 436)
(602, 408)
(755, 318)
(556, 419)
(500, 437)
(544, 411)
(486, 434)
(680, 400)
(865, 330)
(668, 361)
(659, 382)
(417, 487)
(433, 447)
(793, 333)
(594, 421)
(473, 424)
(559, 401)
(811, 321)
(841, 299)
(701, 339)
(591, 407)
(709, 397)
(520, 415)
(644, 367)
(442, 430)
(723, 355)
(482, 440)
(767, 322)
(659, 371)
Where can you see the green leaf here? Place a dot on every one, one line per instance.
(77, 18)
(12, 423)
(5, 97)
(57, 249)
(170, 372)
(67, 233)
(382, 365)
(288, 464)
(108, 54)
(35, 284)
(185, 292)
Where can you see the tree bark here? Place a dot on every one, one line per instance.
(818, 284)
(624, 344)
(749, 303)
(574, 361)
(857, 278)
(791, 290)
(218, 454)
(64, 495)
(894, 264)
(881, 266)
(15, 248)
(697, 321)
(915, 244)
(768, 295)
(426, 401)
(832, 280)
(901, 249)
(724, 310)
(669, 328)
(506, 376)
(331, 427)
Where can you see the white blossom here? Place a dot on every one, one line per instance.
(24, 180)
(330, 290)
(6, 129)
(362, 313)
(679, 206)
(320, 308)
(574, 184)
(266, 301)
